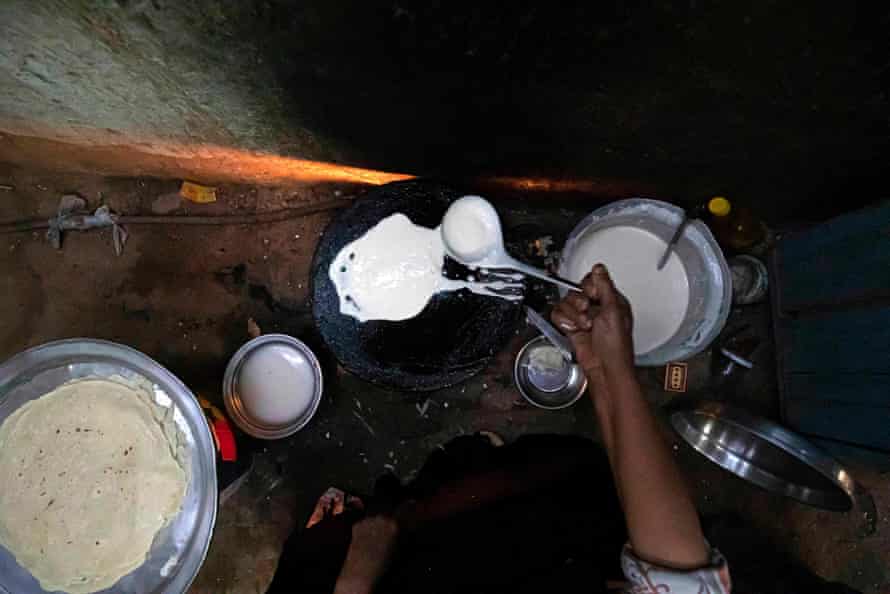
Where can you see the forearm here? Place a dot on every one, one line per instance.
(661, 519)
(359, 573)
(347, 584)
(372, 547)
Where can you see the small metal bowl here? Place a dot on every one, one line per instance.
(232, 398)
(545, 390)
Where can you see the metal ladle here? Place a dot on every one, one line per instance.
(493, 254)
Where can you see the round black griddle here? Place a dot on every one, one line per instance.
(453, 338)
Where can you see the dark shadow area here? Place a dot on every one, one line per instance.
(540, 514)
(760, 566)
(781, 106)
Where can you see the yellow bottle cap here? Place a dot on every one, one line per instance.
(719, 206)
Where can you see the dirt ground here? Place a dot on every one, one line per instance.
(184, 297)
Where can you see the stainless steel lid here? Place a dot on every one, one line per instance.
(235, 404)
(766, 454)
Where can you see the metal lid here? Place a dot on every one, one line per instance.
(240, 410)
(766, 454)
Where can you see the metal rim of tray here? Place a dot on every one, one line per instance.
(39, 358)
(700, 428)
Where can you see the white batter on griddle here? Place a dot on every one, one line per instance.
(658, 298)
(392, 271)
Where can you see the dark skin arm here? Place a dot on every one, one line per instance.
(661, 518)
(373, 543)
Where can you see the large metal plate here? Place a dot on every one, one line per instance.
(180, 547)
(767, 455)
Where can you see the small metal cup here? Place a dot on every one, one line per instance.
(545, 390)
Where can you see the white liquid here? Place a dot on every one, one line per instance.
(389, 273)
(547, 359)
(658, 298)
(547, 368)
(394, 269)
(471, 228)
(276, 384)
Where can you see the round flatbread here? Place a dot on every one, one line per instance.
(88, 477)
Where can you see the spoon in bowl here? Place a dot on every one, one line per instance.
(471, 232)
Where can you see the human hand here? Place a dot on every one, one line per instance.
(372, 547)
(599, 324)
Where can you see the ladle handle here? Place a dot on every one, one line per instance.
(540, 274)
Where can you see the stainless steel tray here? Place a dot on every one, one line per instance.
(180, 547)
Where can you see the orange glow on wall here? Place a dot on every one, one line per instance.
(545, 184)
(211, 164)
(203, 163)
(274, 168)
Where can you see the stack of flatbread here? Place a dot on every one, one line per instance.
(88, 477)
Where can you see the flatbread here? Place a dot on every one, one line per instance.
(87, 479)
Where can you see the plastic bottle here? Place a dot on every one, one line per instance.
(735, 227)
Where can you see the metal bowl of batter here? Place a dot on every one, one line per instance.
(180, 547)
(696, 254)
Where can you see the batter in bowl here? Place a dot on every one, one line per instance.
(658, 298)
